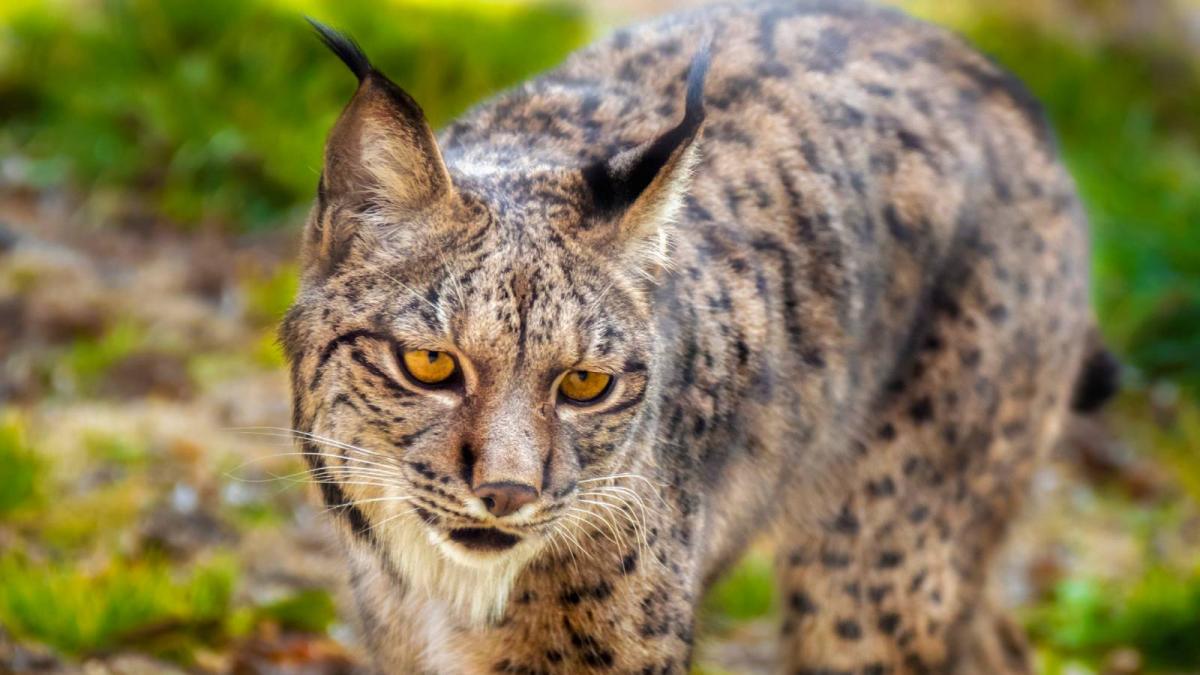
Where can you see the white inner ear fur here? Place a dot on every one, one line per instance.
(403, 181)
(648, 226)
(404, 175)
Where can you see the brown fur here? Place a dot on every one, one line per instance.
(847, 312)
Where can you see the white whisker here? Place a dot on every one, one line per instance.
(608, 520)
(391, 470)
(280, 432)
(359, 502)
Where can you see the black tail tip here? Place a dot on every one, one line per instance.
(344, 47)
(1098, 381)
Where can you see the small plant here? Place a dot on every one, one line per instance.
(88, 360)
(20, 467)
(306, 611)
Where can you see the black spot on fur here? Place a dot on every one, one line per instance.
(829, 54)
(890, 559)
(800, 603)
(889, 622)
(846, 522)
(921, 410)
(884, 487)
(848, 629)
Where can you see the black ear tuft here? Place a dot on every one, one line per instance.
(345, 48)
(694, 106)
(615, 188)
(664, 146)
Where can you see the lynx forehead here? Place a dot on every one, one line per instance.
(807, 270)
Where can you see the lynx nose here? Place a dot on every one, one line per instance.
(502, 499)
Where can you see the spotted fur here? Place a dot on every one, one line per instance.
(838, 273)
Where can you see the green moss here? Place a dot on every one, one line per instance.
(269, 296)
(1050, 662)
(258, 514)
(208, 369)
(115, 450)
(79, 611)
(97, 518)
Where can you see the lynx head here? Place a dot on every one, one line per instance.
(472, 346)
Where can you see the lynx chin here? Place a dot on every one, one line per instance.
(803, 270)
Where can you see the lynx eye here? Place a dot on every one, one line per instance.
(584, 386)
(429, 367)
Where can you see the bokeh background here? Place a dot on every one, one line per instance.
(156, 160)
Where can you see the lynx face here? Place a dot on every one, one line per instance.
(491, 379)
(471, 347)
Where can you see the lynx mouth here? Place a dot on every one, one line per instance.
(483, 538)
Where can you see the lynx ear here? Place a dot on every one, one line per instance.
(383, 168)
(642, 189)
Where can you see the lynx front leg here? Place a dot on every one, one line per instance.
(989, 641)
(891, 577)
(846, 602)
(887, 601)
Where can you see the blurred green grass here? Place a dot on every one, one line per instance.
(746, 593)
(147, 603)
(80, 612)
(215, 112)
(1158, 615)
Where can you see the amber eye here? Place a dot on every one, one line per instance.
(429, 367)
(584, 386)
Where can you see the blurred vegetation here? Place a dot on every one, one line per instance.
(147, 603)
(1158, 615)
(215, 112)
(747, 592)
(88, 361)
(81, 612)
(19, 479)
